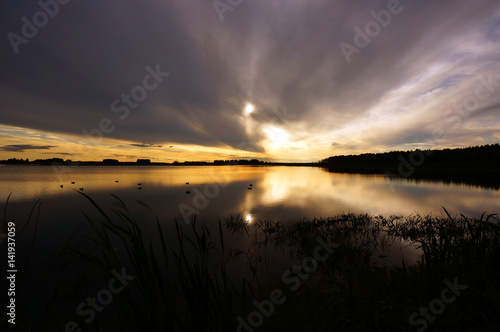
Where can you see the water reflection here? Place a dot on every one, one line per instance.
(276, 192)
(248, 218)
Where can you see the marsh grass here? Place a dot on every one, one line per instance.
(188, 285)
(23, 263)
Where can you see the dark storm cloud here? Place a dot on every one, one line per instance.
(146, 145)
(273, 53)
(23, 147)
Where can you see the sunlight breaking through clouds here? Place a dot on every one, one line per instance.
(226, 78)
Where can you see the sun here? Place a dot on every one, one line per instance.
(249, 109)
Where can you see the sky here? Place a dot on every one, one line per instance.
(276, 80)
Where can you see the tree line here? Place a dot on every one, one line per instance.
(484, 156)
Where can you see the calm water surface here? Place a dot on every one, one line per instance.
(215, 192)
(277, 192)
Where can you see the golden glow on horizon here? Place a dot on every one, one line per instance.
(76, 148)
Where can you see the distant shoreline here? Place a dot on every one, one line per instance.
(120, 164)
(395, 164)
(355, 169)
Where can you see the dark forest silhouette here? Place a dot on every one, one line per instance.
(479, 165)
(484, 156)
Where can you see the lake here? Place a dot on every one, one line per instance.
(219, 191)
(178, 193)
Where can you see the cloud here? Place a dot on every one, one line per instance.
(146, 145)
(58, 153)
(271, 53)
(23, 147)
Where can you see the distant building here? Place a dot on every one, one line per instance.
(143, 161)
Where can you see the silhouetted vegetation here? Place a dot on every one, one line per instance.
(50, 161)
(58, 162)
(186, 285)
(15, 161)
(483, 157)
(473, 165)
(110, 161)
(240, 162)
